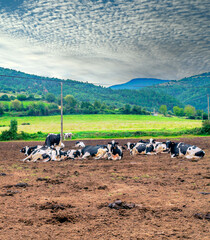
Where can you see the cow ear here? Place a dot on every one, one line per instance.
(123, 147)
(109, 143)
(116, 143)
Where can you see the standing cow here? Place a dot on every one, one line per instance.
(54, 140)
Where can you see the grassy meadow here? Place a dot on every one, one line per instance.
(88, 126)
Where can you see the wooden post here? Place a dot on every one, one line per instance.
(61, 112)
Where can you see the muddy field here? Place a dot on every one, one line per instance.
(162, 198)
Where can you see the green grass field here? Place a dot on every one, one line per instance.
(101, 123)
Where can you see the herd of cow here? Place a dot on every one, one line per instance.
(52, 150)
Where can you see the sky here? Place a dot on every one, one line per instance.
(106, 42)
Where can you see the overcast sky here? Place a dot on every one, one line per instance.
(105, 41)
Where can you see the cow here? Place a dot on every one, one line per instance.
(142, 148)
(67, 135)
(47, 154)
(79, 144)
(56, 154)
(98, 151)
(39, 154)
(130, 145)
(54, 140)
(160, 147)
(114, 151)
(185, 150)
(28, 150)
(72, 154)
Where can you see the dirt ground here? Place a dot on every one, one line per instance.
(69, 199)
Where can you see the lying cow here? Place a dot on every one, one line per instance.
(184, 150)
(142, 148)
(129, 145)
(54, 140)
(28, 150)
(47, 154)
(39, 154)
(98, 151)
(72, 154)
(79, 144)
(114, 151)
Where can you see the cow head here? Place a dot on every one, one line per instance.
(25, 150)
(169, 144)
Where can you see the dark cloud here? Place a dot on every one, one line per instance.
(110, 41)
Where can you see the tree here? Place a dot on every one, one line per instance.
(97, 105)
(189, 111)
(22, 97)
(16, 105)
(1, 109)
(4, 97)
(136, 110)
(127, 109)
(178, 111)
(50, 97)
(163, 109)
(70, 101)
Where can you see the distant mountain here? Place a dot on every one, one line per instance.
(16, 82)
(191, 90)
(138, 83)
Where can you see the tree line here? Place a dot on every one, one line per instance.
(50, 105)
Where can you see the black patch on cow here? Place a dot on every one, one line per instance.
(52, 139)
(200, 154)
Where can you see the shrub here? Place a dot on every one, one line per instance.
(206, 127)
(10, 134)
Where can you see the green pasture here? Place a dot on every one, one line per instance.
(25, 103)
(101, 123)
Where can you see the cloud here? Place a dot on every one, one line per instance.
(106, 41)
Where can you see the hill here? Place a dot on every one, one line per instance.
(191, 90)
(138, 83)
(31, 84)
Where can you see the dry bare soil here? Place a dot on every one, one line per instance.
(69, 199)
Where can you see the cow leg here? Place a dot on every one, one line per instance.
(36, 157)
(26, 159)
(87, 154)
(101, 153)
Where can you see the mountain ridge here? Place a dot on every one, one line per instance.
(186, 90)
(138, 83)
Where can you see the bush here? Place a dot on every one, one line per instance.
(10, 134)
(206, 127)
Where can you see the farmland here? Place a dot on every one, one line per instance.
(69, 199)
(101, 123)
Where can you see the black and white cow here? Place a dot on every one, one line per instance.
(98, 151)
(142, 148)
(160, 147)
(72, 154)
(28, 150)
(67, 135)
(130, 145)
(54, 140)
(47, 154)
(114, 151)
(79, 144)
(39, 154)
(184, 150)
